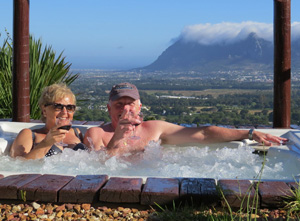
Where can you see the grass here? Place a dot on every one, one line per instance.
(185, 212)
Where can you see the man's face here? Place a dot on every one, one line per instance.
(116, 108)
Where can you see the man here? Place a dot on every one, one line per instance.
(123, 107)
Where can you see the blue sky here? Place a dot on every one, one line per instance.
(123, 34)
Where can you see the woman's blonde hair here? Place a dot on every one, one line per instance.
(55, 92)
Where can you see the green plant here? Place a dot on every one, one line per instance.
(186, 212)
(293, 202)
(45, 69)
(23, 195)
(6, 53)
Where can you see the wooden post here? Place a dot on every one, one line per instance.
(21, 80)
(282, 64)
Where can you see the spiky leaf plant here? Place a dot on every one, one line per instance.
(45, 69)
(292, 202)
(6, 53)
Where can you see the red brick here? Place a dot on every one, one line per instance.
(9, 185)
(82, 189)
(273, 193)
(45, 188)
(122, 190)
(160, 190)
(237, 193)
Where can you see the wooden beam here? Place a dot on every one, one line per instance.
(282, 64)
(21, 80)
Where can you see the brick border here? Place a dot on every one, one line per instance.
(161, 191)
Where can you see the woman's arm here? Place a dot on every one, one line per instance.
(23, 146)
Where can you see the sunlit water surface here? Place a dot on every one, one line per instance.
(158, 161)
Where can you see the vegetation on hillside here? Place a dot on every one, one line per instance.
(219, 102)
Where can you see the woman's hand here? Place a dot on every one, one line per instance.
(55, 135)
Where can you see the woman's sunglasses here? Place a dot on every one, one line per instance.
(59, 107)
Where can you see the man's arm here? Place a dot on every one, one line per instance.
(175, 134)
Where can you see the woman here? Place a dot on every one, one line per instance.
(57, 102)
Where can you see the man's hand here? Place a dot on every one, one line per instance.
(123, 130)
(126, 124)
(268, 139)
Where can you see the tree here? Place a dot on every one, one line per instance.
(45, 69)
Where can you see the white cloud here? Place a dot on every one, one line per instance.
(227, 32)
(295, 30)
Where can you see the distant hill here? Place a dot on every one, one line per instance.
(252, 54)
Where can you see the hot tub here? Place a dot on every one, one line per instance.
(232, 160)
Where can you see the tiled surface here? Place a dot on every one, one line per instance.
(100, 188)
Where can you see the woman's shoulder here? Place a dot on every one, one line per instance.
(26, 132)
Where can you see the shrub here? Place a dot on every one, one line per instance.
(45, 69)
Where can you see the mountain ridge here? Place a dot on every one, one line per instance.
(252, 53)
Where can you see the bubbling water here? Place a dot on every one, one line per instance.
(159, 161)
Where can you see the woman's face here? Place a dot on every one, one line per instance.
(57, 109)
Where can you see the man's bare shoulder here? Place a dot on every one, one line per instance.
(94, 130)
(158, 125)
(157, 122)
(100, 129)
(94, 137)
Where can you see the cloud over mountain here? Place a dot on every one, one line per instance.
(226, 32)
(209, 48)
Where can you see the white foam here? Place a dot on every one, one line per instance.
(230, 160)
(171, 161)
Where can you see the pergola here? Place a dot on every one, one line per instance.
(282, 63)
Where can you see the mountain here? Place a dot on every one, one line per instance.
(252, 53)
